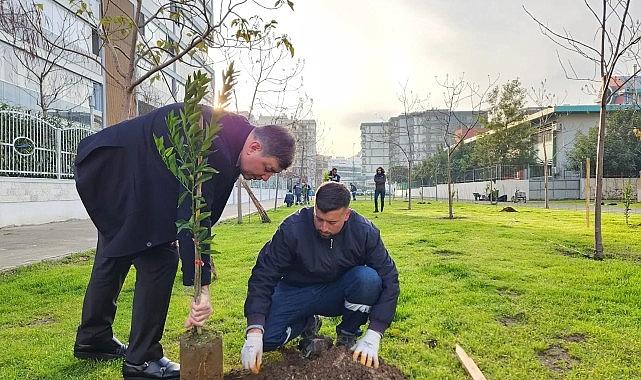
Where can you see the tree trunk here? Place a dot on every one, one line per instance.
(449, 187)
(259, 207)
(598, 239)
(276, 196)
(545, 173)
(239, 197)
(409, 187)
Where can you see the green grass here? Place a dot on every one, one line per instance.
(459, 278)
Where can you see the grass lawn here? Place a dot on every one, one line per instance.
(514, 289)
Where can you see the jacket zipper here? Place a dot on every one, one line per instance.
(331, 243)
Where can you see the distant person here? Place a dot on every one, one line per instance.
(379, 180)
(289, 199)
(323, 260)
(352, 189)
(333, 175)
(297, 193)
(305, 191)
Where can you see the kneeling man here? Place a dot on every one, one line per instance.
(323, 260)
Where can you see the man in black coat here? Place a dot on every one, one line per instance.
(131, 197)
(323, 260)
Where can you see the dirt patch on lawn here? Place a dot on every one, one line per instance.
(511, 320)
(447, 253)
(557, 359)
(508, 209)
(336, 363)
(39, 321)
(576, 337)
(507, 292)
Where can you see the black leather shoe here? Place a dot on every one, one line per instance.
(162, 368)
(102, 351)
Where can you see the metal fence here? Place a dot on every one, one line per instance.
(33, 147)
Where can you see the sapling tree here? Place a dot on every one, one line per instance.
(190, 142)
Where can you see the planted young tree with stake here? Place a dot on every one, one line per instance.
(191, 140)
(614, 46)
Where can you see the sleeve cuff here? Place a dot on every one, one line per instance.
(378, 326)
(256, 319)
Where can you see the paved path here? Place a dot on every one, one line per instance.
(24, 245)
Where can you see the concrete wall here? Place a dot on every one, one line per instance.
(557, 189)
(465, 191)
(41, 200)
(613, 187)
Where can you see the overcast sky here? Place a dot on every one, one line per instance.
(359, 52)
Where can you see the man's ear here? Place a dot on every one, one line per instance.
(348, 213)
(255, 146)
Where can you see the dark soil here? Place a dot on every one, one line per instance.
(508, 209)
(511, 320)
(557, 359)
(510, 293)
(447, 252)
(336, 363)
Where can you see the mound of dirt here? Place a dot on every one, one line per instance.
(336, 363)
(508, 209)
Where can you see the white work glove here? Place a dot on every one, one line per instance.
(367, 348)
(252, 352)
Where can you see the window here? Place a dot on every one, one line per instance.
(95, 42)
(97, 97)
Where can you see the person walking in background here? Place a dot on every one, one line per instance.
(297, 193)
(333, 175)
(379, 180)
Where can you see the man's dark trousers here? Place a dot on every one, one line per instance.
(358, 288)
(376, 195)
(155, 273)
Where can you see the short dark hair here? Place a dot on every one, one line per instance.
(277, 142)
(332, 196)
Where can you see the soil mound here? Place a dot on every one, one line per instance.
(508, 209)
(336, 363)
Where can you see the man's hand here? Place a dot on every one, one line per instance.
(252, 352)
(200, 311)
(367, 348)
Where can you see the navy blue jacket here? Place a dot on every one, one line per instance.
(299, 256)
(132, 197)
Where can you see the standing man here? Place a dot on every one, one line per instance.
(333, 175)
(305, 191)
(131, 197)
(379, 181)
(297, 193)
(323, 260)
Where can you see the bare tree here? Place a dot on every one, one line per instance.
(615, 44)
(458, 92)
(143, 43)
(405, 129)
(544, 99)
(270, 70)
(38, 60)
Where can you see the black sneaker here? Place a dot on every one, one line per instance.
(344, 339)
(311, 344)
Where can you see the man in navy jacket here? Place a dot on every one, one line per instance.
(323, 260)
(132, 197)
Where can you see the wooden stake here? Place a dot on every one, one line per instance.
(587, 191)
(469, 365)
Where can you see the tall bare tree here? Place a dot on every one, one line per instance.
(457, 93)
(37, 60)
(615, 45)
